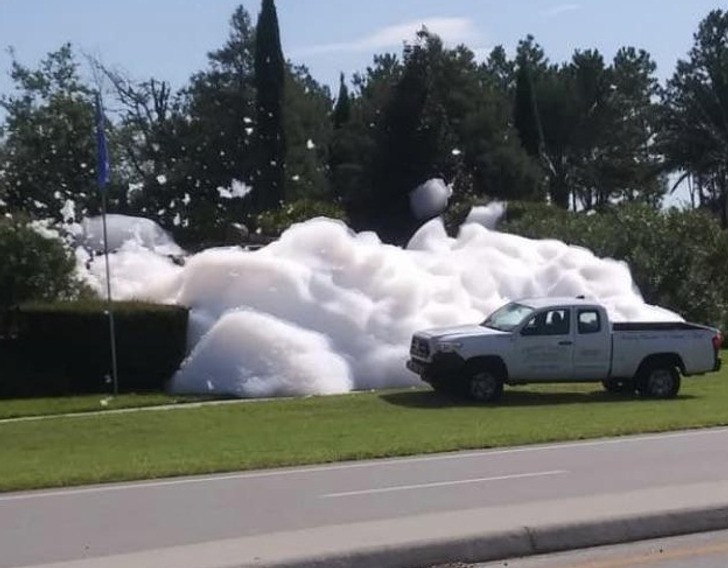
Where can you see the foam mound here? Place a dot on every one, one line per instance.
(122, 229)
(325, 310)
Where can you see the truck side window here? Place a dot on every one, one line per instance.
(553, 322)
(589, 322)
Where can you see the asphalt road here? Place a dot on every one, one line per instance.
(705, 550)
(282, 514)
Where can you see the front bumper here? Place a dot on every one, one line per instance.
(442, 367)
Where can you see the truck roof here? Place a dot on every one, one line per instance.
(562, 301)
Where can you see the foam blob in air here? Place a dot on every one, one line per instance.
(430, 199)
(326, 310)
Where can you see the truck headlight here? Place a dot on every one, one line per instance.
(449, 346)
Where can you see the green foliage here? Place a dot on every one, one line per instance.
(34, 267)
(435, 114)
(73, 338)
(308, 131)
(694, 135)
(211, 142)
(677, 258)
(270, 183)
(595, 123)
(276, 221)
(342, 109)
(48, 150)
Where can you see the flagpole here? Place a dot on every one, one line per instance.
(103, 178)
(109, 303)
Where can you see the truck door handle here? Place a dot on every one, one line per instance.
(565, 343)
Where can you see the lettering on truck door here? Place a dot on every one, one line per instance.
(545, 347)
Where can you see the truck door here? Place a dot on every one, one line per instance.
(592, 345)
(544, 347)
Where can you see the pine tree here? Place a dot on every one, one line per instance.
(269, 184)
(694, 137)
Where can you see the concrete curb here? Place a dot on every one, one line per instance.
(527, 541)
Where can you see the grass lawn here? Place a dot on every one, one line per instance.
(17, 408)
(112, 447)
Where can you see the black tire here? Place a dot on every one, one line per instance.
(659, 380)
(626, 386)
(484, 385)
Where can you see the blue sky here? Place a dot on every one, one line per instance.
(169, 39)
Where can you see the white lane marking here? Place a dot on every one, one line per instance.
(442, 484)
(356, 465)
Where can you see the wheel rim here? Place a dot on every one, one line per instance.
(482, 386)
(661, 382)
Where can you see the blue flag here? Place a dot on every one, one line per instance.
(102, 167)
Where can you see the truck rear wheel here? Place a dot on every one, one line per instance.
(659, 381)
(484, 385)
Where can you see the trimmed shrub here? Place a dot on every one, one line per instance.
(65, 348)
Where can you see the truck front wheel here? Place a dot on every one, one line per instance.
(484, 385)
(660, 381)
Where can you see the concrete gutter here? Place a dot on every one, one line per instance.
(524, 542)
(475, 535)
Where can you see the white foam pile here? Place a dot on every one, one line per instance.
(324, 310)
(122, 229)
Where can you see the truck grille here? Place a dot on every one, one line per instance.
(420, 348)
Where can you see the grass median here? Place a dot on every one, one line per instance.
(86, 449)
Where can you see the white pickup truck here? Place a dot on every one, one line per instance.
(557, 340)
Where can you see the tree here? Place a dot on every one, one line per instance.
(308, 130)
(48, 151)
(591, 125)
(630, 162)
(34, 267)
(530, 66)
(500, 69)
(341, 117)
(213, 140)
(525, 113)
(694, 136)
(342, 110)
(438, 113)
(269, 183)
(354, 144)
(145, 144)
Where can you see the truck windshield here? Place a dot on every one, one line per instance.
(508, 317)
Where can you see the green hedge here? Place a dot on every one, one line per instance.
(679, 259)
(64, 348)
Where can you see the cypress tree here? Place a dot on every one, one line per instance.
(525, 113)
(269, 81)
(342, 110)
